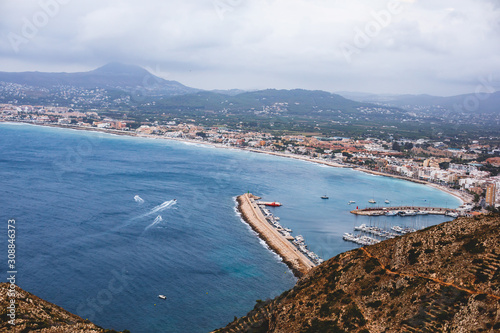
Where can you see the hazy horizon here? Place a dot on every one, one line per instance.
(341, 92)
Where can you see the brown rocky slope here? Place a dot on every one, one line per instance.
(441, 279)
(33, 314)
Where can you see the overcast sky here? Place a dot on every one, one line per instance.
(443, 47)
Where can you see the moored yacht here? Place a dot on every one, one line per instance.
(451, 214)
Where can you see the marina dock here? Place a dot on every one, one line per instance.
(375, 211)
(298, 262)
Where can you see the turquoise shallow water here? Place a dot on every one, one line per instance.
(85, 243)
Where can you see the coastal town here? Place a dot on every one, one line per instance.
(470, 172)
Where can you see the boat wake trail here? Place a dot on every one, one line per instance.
(138, 199)
(157, 220)
(162, 207)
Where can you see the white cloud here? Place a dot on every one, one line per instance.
(433, 47)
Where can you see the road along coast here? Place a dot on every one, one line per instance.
(291, 256)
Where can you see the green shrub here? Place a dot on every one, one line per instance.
(473, 246)
(370, 265)
(413, 256)
(481, 277)
(318, 326)
(325, 310)
(346, 300)
(353, 316)
(375, 304)
(335, 296)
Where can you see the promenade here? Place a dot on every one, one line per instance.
(291, 256)
(382, 210)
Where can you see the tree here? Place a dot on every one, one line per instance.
(396, 146)
(444, 165)
(346, 154)
(493, 209)
(408, 146)
(491, 169)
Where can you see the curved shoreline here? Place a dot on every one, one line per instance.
(464, 198)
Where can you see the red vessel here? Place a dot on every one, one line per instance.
(273, 204)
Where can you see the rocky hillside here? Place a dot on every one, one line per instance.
(36, 315)
(441, 279)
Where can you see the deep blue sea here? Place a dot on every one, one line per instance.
(87, 243)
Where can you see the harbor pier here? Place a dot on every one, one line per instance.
(374, 211)
(298, 262)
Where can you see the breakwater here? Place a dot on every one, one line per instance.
(292, 257)
(409, 210)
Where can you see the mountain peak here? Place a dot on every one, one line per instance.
(117, 68)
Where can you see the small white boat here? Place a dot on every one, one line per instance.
(351, 202)
(324, 197)
(387, 201)
(408, 213)
(397, 228)
(162, 296)
(138, 199)
(372, 201)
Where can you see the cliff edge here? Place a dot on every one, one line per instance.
(441, 279)
(33, 314)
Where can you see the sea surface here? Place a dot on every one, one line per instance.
(99, 233)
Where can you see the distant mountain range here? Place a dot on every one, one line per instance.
(296, 101)
(111, 76)
(144, 97)
(154, 93)
(130, 79)
(466, 103)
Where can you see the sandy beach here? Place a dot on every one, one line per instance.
(463, 197)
